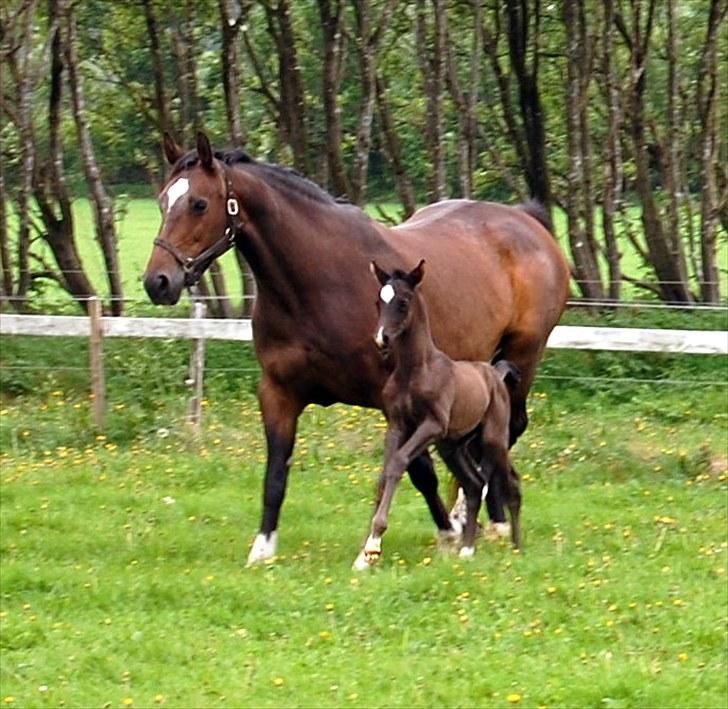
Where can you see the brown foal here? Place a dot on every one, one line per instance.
(428, 398)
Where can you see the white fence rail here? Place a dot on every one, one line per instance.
(563, 336)
(200, 329)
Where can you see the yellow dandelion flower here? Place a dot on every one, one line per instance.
(514, 698)
(158, 698)
(325, 635)
(278, 681)
(127, 702)
(682, 657)
(9, 700)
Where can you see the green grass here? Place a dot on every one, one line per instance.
(123, 554)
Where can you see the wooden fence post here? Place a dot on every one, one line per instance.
(197, 371)
(96, 355)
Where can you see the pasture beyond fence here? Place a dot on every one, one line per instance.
(198, 328)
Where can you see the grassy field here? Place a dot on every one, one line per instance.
(123, 579)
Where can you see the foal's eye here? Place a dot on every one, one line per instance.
(402, 306)
(199, 206)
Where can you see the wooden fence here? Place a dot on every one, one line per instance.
(198, 328)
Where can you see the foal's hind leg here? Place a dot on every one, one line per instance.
(473, 483)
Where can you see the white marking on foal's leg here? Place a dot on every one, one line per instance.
(485, 492)
(369, 555)
(264, 548)
(459, 512)
(467, 552)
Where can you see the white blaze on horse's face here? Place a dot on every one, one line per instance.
(387, 293)
(175, 191)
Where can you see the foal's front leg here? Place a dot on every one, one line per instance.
(397, 458)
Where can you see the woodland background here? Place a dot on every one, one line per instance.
(608, 112)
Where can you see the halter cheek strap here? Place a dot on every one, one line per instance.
(195, 266)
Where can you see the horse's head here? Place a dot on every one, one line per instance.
(199, 215)
(395, 302)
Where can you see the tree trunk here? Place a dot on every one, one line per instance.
(611, 192)
(231, 72)
(103, 206)
(393, 151)
(707, 100)
(672, 282)
(292, 103)
(332, 25)
(164, 122)
(432, 68)
(579, 197)
(368, 42)
(466, 100)
(520, 41)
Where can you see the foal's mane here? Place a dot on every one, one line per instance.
(279, 176)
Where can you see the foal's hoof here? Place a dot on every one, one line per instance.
(466, 552)
(497, 530)
(365, 561)
(263, 549)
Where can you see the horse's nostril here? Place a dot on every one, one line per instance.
(162, 283)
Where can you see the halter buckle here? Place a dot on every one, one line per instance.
(233, 209)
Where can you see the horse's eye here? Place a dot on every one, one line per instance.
(199, 206)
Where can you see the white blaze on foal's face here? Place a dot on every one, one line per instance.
(178, 188)
(387, 293)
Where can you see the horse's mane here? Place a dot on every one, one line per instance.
(277, 175)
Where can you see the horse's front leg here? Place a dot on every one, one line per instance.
(280, 415)
(396, 462)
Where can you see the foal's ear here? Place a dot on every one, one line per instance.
(172, 151)
(204, 150)
(382, 276)
(415, 275)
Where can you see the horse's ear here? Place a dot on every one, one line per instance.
(382, 276)
(415, 275)
(172, 151)
(204, 150)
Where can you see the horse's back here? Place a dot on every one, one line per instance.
(497, 263)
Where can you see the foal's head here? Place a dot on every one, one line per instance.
(193, 204)
(396, 302)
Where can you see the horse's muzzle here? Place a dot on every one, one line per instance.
(164, 287)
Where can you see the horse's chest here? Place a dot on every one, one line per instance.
(408, 407)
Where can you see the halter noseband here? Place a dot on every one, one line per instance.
(195, 266)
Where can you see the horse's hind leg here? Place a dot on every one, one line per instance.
(280, 416)
(513, 484)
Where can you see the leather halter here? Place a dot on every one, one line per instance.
(195, 266)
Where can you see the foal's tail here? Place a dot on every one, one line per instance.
(536, 209)
(509, 372)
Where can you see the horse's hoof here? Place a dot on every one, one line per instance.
(449, 540)
(497, 530)
(467, 552)
(264, 548)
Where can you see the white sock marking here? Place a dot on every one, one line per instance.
(263, 548)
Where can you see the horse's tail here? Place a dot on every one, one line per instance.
(536, 209)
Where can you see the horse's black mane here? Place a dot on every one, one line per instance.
(280, 175)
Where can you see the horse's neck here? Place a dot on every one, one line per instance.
(414, 348)
(285, 248)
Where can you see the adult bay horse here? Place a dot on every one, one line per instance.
(496, 288)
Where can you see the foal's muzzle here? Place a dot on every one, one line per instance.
(382, 341)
